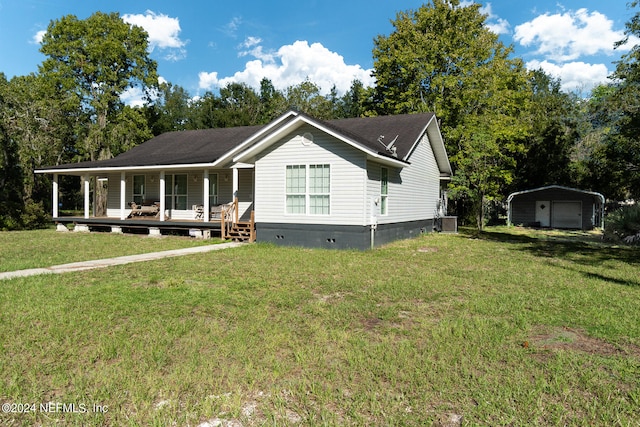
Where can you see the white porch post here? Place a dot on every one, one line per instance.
(236, 181)
(55, 195)
(123, 194)
(205, 204)
(86, 195)
(162, 195)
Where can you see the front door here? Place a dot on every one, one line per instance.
(543, 213)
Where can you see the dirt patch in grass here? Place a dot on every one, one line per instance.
(565, 338)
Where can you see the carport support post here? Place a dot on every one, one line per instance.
(123, 194)
(85, 179)
(55, 195)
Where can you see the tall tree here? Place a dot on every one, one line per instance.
(554, 119)
(272, 101)
(355, 102)
(306, 97)
(240, 106)
(10, 171)
(443, 58)
(170, 110)
(624, 142)
(98, 59)
(42, 124)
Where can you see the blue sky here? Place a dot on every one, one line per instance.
(204, 44)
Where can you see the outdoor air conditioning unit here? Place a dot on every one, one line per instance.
(449, 224)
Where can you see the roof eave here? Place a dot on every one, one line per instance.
(439, 150)
(94, 170)
(231, 155)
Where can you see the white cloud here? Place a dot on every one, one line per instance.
(164, 33)
(574, 76)
(291, 65)
(135, 97)
(37, 37)
(208, 81)
(569, 35)
(494, 22)
(231, 28)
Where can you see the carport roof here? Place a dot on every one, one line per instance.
(556, 187)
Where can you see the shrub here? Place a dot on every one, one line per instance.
(624, 225)
(34, 215)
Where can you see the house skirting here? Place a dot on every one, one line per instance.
(339, 236)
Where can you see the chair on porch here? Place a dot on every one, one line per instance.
(149, 208)
(198, 211)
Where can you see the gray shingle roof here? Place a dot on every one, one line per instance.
(208, 145)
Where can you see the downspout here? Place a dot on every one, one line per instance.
(373, 220)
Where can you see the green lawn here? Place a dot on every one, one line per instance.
(508, 327)
(20, 250)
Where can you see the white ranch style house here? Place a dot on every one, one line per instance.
(348, 183)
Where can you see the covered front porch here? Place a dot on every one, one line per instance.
(203, 201)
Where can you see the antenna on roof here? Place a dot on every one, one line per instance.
(389, 147)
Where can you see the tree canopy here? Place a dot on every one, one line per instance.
(96, 60)
(443, 58)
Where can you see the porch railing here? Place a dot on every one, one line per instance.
(232, 228)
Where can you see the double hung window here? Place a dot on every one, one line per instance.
(308, 189)
(384, 191)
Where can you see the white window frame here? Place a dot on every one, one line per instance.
(139, 197)
(384, 191)
(171, 193)
(308, 193)
(214, 189)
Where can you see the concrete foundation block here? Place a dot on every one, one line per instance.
(196, 233)
(154, 232)
(116, 229)
(62, 228)
(81, 228)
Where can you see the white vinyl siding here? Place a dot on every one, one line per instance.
(413, 191)
(340, 193)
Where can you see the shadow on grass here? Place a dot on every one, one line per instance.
(578, 248)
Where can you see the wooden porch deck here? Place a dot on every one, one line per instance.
(227, 227)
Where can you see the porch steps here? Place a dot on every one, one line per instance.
(242, 232)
